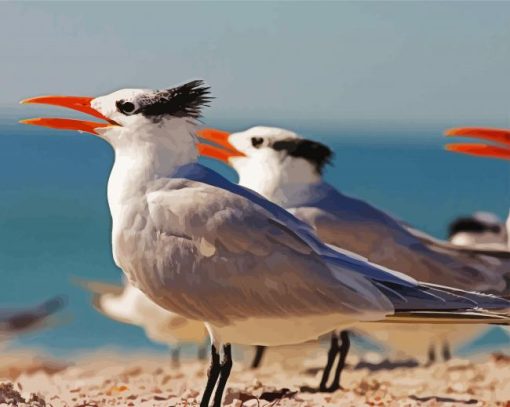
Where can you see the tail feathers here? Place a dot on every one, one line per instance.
(474, 316)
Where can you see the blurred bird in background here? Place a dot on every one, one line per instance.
(481, 229)
(14, 322)
(127, 304)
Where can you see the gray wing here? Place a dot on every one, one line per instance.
(246, 261)
(229, 257)
(395, 247)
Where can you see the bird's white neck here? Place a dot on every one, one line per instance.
(281, 182)
(141, 160)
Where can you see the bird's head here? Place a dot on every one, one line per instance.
(269, 153)
(499, 136)
(132, 116)
(479, 228)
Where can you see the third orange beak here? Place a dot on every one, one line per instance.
(501, 136)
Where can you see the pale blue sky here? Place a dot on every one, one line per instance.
(361, 64)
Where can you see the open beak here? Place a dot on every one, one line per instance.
(220, 138)
(501, 136)
(78, 103)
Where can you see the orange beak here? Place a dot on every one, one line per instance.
(220, 138)
(501, 136)
(78, 103)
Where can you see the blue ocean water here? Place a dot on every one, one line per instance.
(55, 223)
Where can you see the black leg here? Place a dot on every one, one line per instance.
(447, 355)
(343, 351)
(333, 351)
(212, 377)
(259, 353)
(431, 354)
(175, 354)
(226, 367)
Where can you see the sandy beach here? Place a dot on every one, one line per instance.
(112, 379)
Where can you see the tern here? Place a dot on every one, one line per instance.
(127, 304)
(287, 169)
(210, 250)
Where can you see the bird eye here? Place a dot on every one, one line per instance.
(126, 108)
(257, 141)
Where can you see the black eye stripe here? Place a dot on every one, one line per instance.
(316, 153)
(471, 225)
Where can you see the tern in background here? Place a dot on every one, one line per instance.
(127, 304)
(482, 229)
(207, 249)
(18, 321)
(287, 169)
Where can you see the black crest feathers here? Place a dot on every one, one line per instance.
(316, 153)
(182, 101)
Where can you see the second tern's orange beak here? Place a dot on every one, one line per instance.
(220, 138)
(501, 136)
(78, 103)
